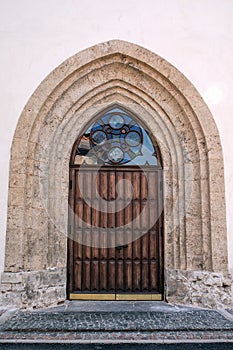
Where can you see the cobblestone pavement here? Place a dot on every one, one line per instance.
(128, 323)
(117, 321)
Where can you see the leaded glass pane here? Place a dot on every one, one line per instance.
(116, 138)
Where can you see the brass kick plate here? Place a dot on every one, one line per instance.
(74, 296)
(157, 297)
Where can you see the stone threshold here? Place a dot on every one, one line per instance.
(114, 341)
(120, 337)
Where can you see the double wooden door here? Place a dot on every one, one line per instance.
(115, 244)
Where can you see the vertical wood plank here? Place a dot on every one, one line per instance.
(111, 257)
(128, 195)
(111, 198)
(86, 280)
(144, 243)
(88, 185)
(78, 185)
(78, 275)
(154, 276)
(112, 186)
(95, 214)
(136, 215)
(95, 275)
(137, 249)
(112, 244)
(71, 231)
(103, 192)
(119, 185)
(103, 276)
(79, 214)
(86, 213)
(144, 201)
(153, 219)
(136, 276)
(144, 185)
(136, 230)
(153, 200)
(145, 272)
(128, 276)
(128, 240)
(112, 276)
(136, 185)
(86, 251)
(153, 252)
(78, 250)
(95, 244)
(120, 219)
(103, 184)
(153, 184)
(119, 276)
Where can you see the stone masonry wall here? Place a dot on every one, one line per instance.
(200, 288)
(33, 289)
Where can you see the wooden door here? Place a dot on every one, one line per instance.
(119, 248)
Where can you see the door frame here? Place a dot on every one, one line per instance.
(73, 295)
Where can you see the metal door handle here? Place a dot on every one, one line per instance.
(121, 246)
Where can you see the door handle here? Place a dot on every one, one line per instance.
(119, 247)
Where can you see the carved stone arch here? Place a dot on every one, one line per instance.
(116, 72)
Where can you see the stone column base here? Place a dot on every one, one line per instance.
(199, 288)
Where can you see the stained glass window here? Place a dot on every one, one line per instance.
(116, 138)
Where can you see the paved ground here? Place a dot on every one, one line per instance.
(213, 346)
(117, 322)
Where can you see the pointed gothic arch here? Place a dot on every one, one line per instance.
(116, 72)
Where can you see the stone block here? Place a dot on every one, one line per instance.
(202, 288)
(227, 281)
(11, 277)
(5, 287)
(11, 299)
(16, 196)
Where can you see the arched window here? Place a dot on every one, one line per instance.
(116, 138)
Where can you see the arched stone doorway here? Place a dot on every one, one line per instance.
(124, 74)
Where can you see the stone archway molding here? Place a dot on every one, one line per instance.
(116, 72)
